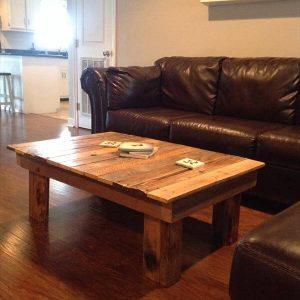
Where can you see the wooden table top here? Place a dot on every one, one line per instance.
(157, 178)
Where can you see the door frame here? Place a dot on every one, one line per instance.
(73, 120)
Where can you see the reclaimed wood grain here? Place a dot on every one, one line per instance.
(225, 221)
(152, 208)
(201, 181)
(158, 177)
(38, 197)
(162, 250)
(211, 196)
(157, 187)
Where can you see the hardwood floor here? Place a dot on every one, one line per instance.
(62, 113)
(91, 249)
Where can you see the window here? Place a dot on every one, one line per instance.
(53, 26)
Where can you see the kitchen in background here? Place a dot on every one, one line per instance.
(34, 37)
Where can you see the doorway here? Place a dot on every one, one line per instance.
(94, 46)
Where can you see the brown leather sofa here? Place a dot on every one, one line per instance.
(266, 263)
(243, 106)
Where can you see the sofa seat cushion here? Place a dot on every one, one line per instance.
(266, 263)
(280, 147)
(151, 122)
(220, 133)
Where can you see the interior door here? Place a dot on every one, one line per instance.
(17, 15)
(32, 11)
(95, 46)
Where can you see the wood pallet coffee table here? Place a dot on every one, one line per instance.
(164, 192)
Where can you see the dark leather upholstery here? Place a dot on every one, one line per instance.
(263, 89)
(151, 122)
(190, 83)
(94, 82)
(266, 263)
(278, 184)
(243, 106)
(133, 87)
(280, 147)
(219, 133)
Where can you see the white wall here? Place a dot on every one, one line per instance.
(16, 40)
(150, 29)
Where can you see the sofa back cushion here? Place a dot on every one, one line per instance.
(265, 89)
(133, 87)
(190, 83)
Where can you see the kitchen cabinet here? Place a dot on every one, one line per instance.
(19, 15)
(41, 85)
(17, 20)
(64, 89)
(32, 11)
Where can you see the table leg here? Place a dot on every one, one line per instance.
(38, 197)
(162, 250)
(226, 221)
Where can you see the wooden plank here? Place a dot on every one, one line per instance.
(84, 158)
(60, 152)
(186, 206)
(149, 171)
(54, 141)
(165, 168)
(38, 197)
(202, 181)
(97, 170)
(216, 162)
(58, 147)
(79, 154)
(147, 206)
(88, 156)
(162, 251)
(226, 221)
(57, 155)
(153, 168)
(80, 140)
(46, 151)
(158, 177)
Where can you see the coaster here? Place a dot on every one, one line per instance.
(189, 163)
(110, 144)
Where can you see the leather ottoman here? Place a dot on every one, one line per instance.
(266, 263)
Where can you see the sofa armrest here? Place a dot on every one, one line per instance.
(94, 83)
(133, 87)
(118, 88)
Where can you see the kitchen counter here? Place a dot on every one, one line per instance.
(37, 81)
(35, 53)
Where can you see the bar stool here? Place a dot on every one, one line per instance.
(8, 91)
